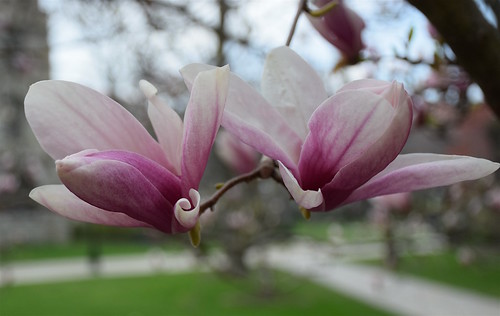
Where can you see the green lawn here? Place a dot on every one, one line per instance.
(182, 294)
(311, 229)
(482, 275)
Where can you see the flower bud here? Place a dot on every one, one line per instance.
(341, 27)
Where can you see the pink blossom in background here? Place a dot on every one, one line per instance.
(493, 198)
(334, 150)
(238, 156)
(341, 27)
(384, 205)
(472, 133)
(447, 76)
(113, 172)
(8, 183)
(392, 202)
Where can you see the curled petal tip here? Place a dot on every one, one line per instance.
(186, 213)
(307, 199)
(147, 88)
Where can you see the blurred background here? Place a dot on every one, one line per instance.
(447, 235)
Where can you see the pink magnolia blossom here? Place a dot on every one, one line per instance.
(113, 172)
(493, 198)
(385, 205)
(398, 202)
(341, 27)
(236, 155)
(334, 150)
(8, 183)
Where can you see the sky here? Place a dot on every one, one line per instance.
(388, 23)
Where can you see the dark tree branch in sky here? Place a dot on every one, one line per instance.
(475, 42)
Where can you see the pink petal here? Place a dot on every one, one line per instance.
(373, 85)
(67, 118)
(391, 91)
(123, 182)
(292, 87)
(412, 172)
(201, 123)
(347, 26)
(254, 121)
(60, 200)
(342, 130)
(308, 199)
(341, 27)
(166, 182)
(168, 126)
(377, 156)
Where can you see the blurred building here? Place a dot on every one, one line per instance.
(24, 59)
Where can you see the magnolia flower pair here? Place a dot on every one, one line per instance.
(331, 150)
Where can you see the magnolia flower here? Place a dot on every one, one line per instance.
(334, 150)
(113, 172)
(238, 156)
(341, 27)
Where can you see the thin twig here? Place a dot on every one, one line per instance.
(302, 5)
(265, 170)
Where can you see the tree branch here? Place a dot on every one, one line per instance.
(300, 8)
(266, 169)
(475, 42)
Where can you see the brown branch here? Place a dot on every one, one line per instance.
(474, 41)
(265, 170)
(301, 7)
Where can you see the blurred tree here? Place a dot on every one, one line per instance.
(473, 38)
(23, 60)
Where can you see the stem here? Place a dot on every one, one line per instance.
(263, 171)
(302, 5)
(321, 11)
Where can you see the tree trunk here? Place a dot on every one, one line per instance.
(475, 42)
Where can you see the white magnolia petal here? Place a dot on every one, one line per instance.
(186, 214)
(190, 72)
(167, 125)
(412, 172)
(253, 120)
(60, 200)
(292, 87)
(308, 199)
(67, 118)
